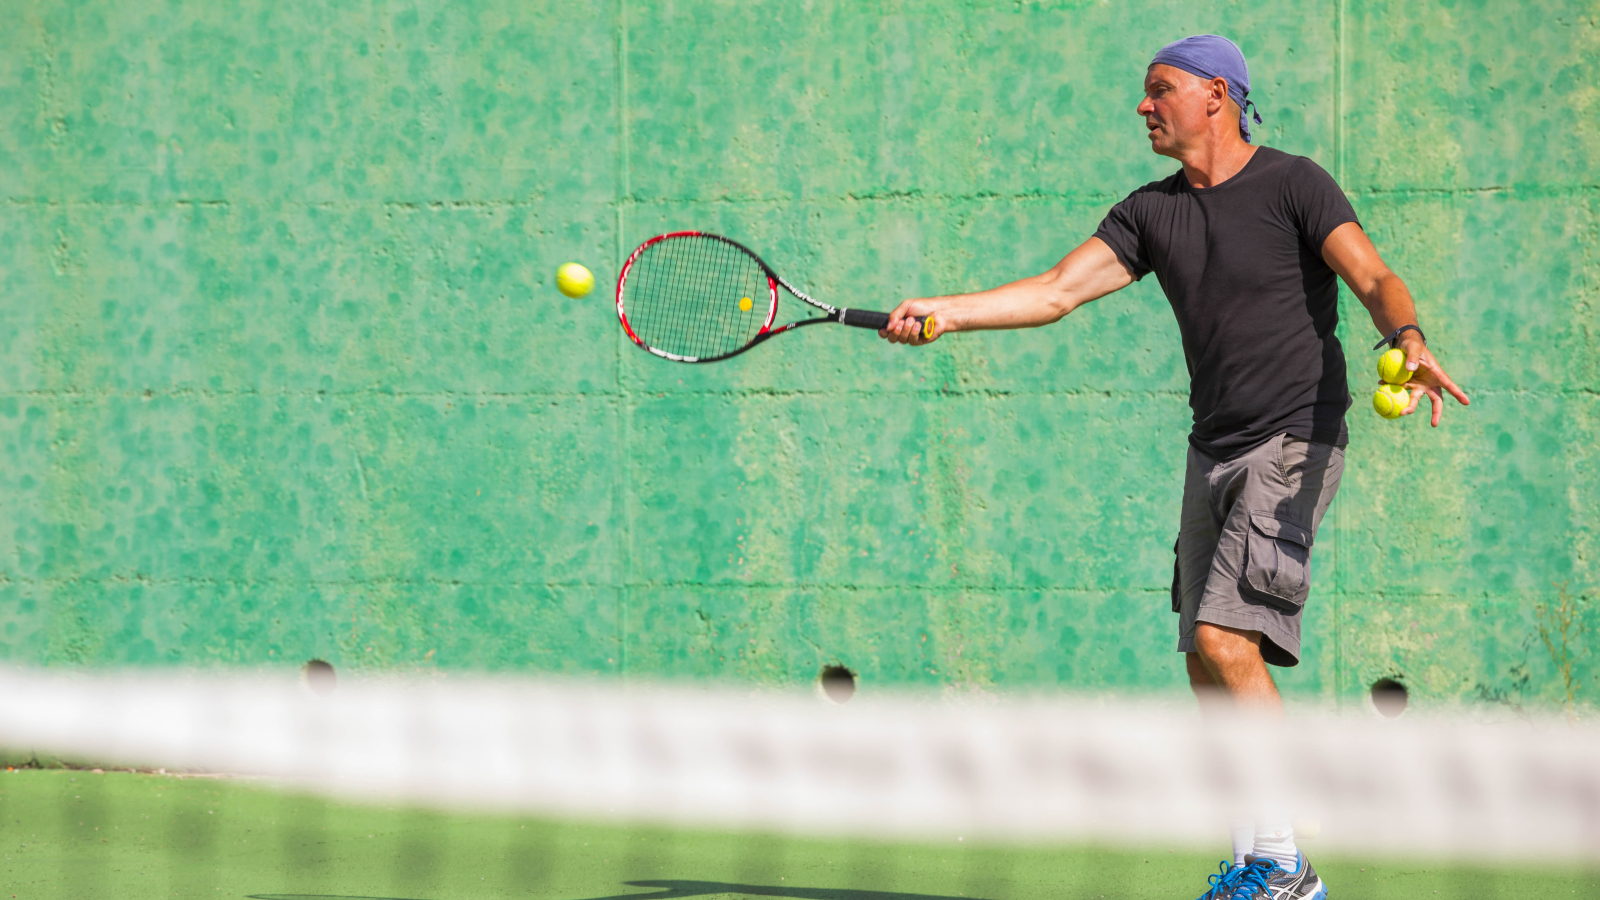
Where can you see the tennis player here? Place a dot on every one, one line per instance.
(1246, 242)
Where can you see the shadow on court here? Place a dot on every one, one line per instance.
(675, 888)
(319, 897)
(672, 889)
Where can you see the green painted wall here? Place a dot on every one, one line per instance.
(283, 373)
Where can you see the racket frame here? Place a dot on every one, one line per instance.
(774, 280)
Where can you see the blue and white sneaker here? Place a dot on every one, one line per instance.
(1264, 879)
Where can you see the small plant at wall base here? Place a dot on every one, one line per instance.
(1563, 630)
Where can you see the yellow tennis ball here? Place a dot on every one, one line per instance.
(1391, 400)
(1392, 367)
(745, 304)
(574, 280)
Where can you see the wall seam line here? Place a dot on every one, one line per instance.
(625, 412)
(1337, 594)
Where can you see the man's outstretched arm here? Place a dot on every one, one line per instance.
(1087, 273)
(1349, 252)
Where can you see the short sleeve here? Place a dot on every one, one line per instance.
(1317, 203)
(1121, 232)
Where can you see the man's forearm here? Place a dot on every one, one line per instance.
(1088, 272)
(1389, 303)
(1034, 301)
(1349, 252)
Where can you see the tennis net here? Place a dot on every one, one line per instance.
(775, 777)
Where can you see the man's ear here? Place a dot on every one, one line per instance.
(1217, 95)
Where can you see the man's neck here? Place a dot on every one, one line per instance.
(1211, 165)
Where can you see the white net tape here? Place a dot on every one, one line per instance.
(1028, 769)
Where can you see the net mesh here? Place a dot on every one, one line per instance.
(208, 785)
(696, 296)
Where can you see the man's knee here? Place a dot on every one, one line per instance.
(1211, 694)
(1221, 647)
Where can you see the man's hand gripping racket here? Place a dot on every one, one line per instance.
(689, 296)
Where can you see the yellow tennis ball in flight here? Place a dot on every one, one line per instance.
(745, 304)
(574, 280)
(1391, 400)
(1392, 367)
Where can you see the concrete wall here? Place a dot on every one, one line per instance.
(284, 373)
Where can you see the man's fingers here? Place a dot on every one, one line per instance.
(1416, 353)
(1447, 384)
(1435, 401)
(1438, 373)
(897, 320)
(1415, 392)
(1429, 379)
(906, 323)
(902, 327)
(911, 331)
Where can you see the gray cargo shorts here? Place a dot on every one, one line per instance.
(1244, 545)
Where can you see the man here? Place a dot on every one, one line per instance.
(1246, 242)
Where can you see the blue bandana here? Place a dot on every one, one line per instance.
(1213, 56)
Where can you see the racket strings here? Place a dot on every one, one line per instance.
(696, 296)
(699, 310)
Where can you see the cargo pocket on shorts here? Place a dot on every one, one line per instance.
(1278, 569)
(1177, 586)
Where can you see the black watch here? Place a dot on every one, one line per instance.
(1393, 340)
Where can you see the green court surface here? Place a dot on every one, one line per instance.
(124, 836)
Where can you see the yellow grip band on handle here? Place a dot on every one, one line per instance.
(927, 328)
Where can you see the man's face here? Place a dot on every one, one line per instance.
(1174, 109)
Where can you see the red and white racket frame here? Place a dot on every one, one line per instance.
(772, 296)
(859, 318)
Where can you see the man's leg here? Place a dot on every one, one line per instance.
(1230, 660)
(1214, 696)
(1240, 676)
(1248, 499)
(1197, 544)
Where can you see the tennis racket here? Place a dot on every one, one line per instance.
(693, 297)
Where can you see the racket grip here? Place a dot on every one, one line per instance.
(877, 321)
(864, 318)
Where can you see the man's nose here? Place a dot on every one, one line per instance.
(1145, 107)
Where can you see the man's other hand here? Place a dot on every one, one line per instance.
(1428, 378)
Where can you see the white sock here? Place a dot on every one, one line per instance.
(1244, 840)
(1274, 840)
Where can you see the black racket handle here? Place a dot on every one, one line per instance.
(877, 321)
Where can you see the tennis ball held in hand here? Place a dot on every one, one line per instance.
(1391, 400)
(574, 280)
(1392, 367)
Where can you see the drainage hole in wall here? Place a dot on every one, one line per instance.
(319, 677)
(838, 683)
(1389, 697)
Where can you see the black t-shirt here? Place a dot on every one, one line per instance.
(1242, 265)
